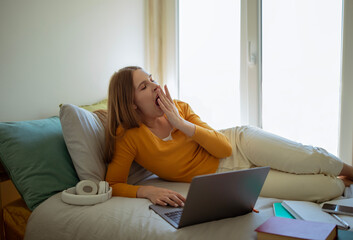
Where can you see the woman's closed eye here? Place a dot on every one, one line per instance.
(144, 86)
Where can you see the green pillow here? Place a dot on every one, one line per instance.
(35, 157)
(96, 106)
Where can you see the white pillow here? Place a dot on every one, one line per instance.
(84, 136)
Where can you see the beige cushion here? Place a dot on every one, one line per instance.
(84, 137)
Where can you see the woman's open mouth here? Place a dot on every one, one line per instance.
(157, 101)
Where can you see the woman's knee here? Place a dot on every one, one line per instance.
(308, 187)
(266, 149)
(262, 148)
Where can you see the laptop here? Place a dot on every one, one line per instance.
(216, 196)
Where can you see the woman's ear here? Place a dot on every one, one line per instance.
(134, 106)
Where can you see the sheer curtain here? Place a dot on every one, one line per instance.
(155, 42)
(161, 36)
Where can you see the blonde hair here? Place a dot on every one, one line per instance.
(120, 107)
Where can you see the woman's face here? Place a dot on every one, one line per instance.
(145, 99)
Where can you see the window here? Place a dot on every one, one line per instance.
(296, 45)
(209, 59)
(301, 44)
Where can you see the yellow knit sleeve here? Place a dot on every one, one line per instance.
(119, 167)
(213, 141)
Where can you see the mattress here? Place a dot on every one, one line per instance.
(129, 218)
(16, 215)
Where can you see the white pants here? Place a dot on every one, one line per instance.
(298, 172)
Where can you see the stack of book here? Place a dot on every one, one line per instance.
(302, 220)
(312, 212)
(278, 228)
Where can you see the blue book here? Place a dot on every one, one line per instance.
(344, 235)
(280, 211)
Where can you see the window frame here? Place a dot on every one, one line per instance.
(345, 144)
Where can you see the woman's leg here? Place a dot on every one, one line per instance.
(265, 149)
(253, 147)
(303, 187)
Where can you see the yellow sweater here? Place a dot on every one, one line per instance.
(179, 159)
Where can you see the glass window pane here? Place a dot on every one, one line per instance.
(209, 59)
(301, 70)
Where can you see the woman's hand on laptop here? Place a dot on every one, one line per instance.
(161, 196)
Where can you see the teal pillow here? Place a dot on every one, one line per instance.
(35, 156)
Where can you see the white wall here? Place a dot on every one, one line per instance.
(65, 51)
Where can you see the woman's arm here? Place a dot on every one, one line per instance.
(118, 171)
(156, 195)
(119, 167)
(213, 141)
(168, 106)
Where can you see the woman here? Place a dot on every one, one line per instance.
(167, 138)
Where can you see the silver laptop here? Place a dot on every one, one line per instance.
(216, 196)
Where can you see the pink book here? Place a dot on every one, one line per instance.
(285, 228)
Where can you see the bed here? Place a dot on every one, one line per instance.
(44, 157)
(124, 218)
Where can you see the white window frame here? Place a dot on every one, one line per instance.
(346, 114)
(250, 63)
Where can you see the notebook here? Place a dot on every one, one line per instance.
(312, 212)
(217, 196)
(280, 211)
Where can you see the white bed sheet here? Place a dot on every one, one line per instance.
(127, 218)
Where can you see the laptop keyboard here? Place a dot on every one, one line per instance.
(175, 215)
